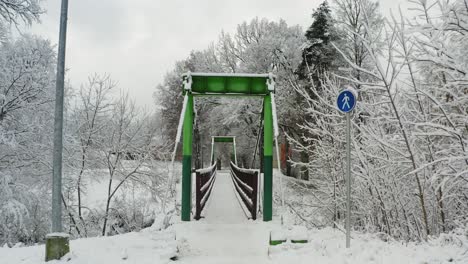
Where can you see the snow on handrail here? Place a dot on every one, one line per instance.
(242, 193)
(243, 170)
(246, 185)
(206, 170)
(207, 194)
(204, 184)
(204, 187)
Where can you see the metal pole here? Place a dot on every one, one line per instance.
(212, 151)
(267, 160)
(348, 179)
(58, 124)
(235, 153)
(187, 161)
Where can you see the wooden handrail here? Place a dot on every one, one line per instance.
(246, 183)
(204, 181)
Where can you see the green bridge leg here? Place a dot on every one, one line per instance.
(267, 160)
(187, 161)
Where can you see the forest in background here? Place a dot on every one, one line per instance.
(410, 127)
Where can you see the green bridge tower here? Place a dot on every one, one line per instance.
(215, 84)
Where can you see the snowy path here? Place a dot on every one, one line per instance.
(223, 206)
(225, 235)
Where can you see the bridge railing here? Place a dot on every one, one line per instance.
(246, 184)
(204, 181)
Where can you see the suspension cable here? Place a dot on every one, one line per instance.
(271, 87)
(276, 134)
(170, 179)
(260, 131)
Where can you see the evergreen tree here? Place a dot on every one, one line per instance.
(318, 58)
(318, 55)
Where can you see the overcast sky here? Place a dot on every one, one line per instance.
(138, 41)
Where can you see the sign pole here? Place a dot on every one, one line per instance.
(348, 179)
(345, 102)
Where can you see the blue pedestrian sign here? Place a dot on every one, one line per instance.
(346, 101)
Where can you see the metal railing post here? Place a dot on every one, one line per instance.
(198, 195)
(254, 195)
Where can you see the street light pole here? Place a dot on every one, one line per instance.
(58, 125)
(57, 244)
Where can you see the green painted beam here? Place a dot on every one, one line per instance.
(187, 161)
(267, 159)
(215, 83)
(237, 96)
(299, 241)
(276, 242)
(223, 139)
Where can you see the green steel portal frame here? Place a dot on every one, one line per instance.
(223, 139)
(224, 84)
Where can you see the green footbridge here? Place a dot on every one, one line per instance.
(261, 86)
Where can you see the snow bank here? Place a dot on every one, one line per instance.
(327, 246)
(143, 247)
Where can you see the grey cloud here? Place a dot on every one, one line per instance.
(138, 41)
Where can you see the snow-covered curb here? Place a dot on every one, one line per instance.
(327, 246)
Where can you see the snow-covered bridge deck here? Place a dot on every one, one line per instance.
(223, 206)
(224, 235)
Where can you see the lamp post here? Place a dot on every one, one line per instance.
(57, 243)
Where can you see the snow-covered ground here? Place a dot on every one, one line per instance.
(144, 247)
(96, 184)
(136, 200)
(226, 236)
(248, 245)
(327, 246)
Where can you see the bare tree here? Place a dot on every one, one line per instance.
(15, 11)
(127, 148)
(94, 104)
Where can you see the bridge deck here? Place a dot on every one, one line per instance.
(224, 235)
(223, 206)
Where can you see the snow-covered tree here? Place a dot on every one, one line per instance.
(258, 46)
(89, 120)
(15, 12)
(126, 148)
(26, 91)
(409, 144)
(318, 55)
(356, 19)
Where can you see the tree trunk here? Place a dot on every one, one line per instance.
(441, 207)
(305, 168)
(288, 156)
(106, 215)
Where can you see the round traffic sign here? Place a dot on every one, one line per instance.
(346, 101)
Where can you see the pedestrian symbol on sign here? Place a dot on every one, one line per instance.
(346, 102)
